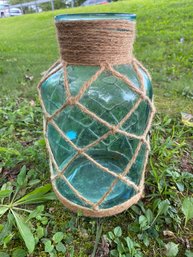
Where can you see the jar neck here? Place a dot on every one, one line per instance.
(96, 41)
(95, 16)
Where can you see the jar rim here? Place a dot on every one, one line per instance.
(95, 16)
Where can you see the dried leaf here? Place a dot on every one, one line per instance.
(168, 233)
(187, 119)
(28, 77)
(32, 103)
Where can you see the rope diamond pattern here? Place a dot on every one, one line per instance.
(94, 209)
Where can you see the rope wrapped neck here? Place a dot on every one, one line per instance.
(96, 42)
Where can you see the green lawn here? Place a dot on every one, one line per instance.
(160, 225)
(28, 46)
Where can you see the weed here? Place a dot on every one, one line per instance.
(55, 245)
(13, 197)
(125, 247)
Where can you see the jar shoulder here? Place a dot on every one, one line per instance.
(107, 89)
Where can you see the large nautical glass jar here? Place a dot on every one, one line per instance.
(97, 113)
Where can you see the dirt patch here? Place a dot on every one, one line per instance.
(187, 163)
(103, 249)
(10, 174)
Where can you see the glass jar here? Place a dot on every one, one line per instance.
(111, 99)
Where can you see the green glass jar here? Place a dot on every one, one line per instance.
(79, 182)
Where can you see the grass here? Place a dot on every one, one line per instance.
(168, 183)
(156, 226)
(28, 46)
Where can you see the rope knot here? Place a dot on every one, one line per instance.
(120, 176)
(143, 96)
(49, 118)
(95, 208)
(59, 174)
(113, 129)
(71, 100)
(80, 151)
(143, 140)
(105, 65)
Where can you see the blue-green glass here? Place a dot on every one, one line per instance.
(111, 99)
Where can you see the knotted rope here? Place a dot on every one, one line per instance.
(102, 43)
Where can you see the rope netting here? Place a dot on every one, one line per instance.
(94, 208)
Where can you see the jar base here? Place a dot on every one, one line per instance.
(93, 183)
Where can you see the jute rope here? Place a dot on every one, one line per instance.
(87, 43)
(95, 42)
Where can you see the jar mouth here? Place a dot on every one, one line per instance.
(95, 16)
